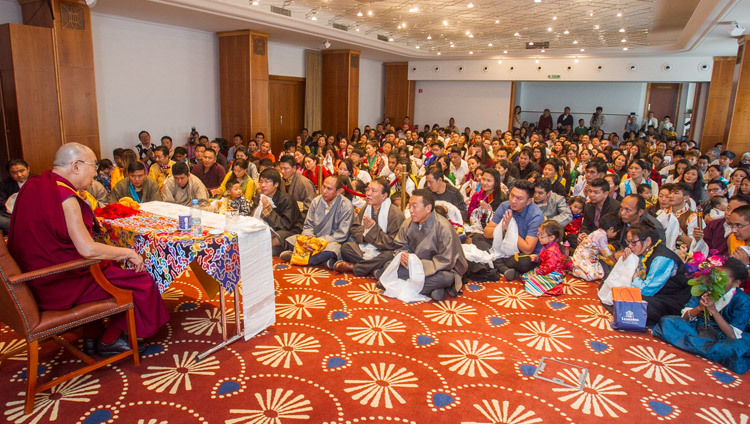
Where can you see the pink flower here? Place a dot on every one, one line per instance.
(716, 260)
(698, 257)
(713, 252)
(705, 271)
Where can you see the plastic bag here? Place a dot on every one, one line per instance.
(404, 290)
(621, 276)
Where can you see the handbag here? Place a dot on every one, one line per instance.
(631, 312)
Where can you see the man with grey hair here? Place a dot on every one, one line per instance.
(51, 225)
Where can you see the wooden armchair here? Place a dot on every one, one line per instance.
(19, 310)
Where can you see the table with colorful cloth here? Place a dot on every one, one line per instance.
(227, 257)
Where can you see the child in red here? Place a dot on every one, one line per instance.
(547, 278)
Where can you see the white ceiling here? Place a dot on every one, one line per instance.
(649, 27)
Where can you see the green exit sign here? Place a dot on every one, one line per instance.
(550, 76)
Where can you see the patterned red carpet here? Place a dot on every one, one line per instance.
(340, 352)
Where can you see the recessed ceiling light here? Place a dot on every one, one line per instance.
(359, 13)
(470, 5)
(313, 18)
(619, 14)
(505, 52)
(438, 53)
(531, 43)
(452, 46)
(542, 50)
(369, 13)
(575, 61)
(500, 61)
(549, 29)
(357, 29)
(623, 41)
(517, 34)
(596, 26)
(471, 52)
(622, 29)
(468, 32)
(445, 23)
(554, 18)
(537, 1)
(566, 32)
(537, 61)
(256, 2)
(417, 46)
(591, 14)
(625, 48)
(414, 9)
(489, 44)
(471, 35)
(390, 39)
(575, 41)
(429, 37)
(497, 21)
(583, 50)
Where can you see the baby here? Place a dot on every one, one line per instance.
(718, 207)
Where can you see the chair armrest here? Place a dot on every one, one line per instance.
(52, 270)
(121, 296)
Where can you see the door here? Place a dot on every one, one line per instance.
(663, 99)
(287, 113)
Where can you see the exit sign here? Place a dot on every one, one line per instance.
(550, 76)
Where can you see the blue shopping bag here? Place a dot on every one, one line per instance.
(630, 310)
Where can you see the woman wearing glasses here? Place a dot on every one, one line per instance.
(661, 275)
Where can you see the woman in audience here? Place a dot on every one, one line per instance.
(619, 165)
(661, 275)
(517, 121)
(676, 175)
(489, 196)
(299, 159)
(312, 169)
(539, 155)
(507, 181)
(745, 186)
(239, 174)
(356, 134)
(104, 169)
(636, 170)
(693, 178)
(735, 180)
(343, 146)
(480, 152)
(714, 173)
(730, 345)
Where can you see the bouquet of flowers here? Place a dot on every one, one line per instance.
(706, 277)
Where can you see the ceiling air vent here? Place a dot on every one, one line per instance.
(341, 27)
(382, 38)
(533, 45)
(281, 11)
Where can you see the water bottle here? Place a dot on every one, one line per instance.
(195, 219)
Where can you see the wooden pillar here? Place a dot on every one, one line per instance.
(243, 84)
(340, 84)
(399, 92)
(739, 130)
(715, 124)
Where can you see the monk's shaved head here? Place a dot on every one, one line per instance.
(71, 152)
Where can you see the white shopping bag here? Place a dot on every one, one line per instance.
(505, 245)
(404, 290)
(621, 276)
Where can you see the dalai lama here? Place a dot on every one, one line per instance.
(51, 224)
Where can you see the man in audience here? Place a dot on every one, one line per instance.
(458, 166)
(370, 246)
(597, 120)
(443, 191)
(237, 141)
(329, 218)
(19, 173)
(162, 167)
(145, 148)
(198, 155)
(595, 169)
(525, 165)
(717, 232)
(433, 240)
(528, 217)
(166, 141)
(137, 186)
(725, 160)
(265, 151)
(182, 187)
(599, 204)
(739, 240)
(209, 172)
(565, 120)
(679, 196)
(300, 188)
(552, 205)
(633, 211)
(52, 225)
(279, 210)
(221, 160)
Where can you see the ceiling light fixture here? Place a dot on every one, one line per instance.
(438, 53)
(623, 41)
(591, 14)
(622, 29)
(542, 50)
(489, 44)
(625, 48)
(505, 52)
(470, 5)
(531, 43)
(357, 29)
(537, 61)
(500, 62)
(549, 29)
(359, 14)
(452, 45)
(554, 18)
(583, 50)
(471, 52)
(619, 14)
(517, 34)
(256, 2)
(596, 26)
(414, 9)
(417, 47)
(575, 41)
(314, 18)
(445, 23)
(468, 32)
(369, 13)
(537, 1)
(566, 32)
(497, 21)
(471, 35)
(575, 61)
(429, 37)
(390, 38)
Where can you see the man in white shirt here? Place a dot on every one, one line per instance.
(459, 167)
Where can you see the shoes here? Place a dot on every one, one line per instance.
(89, 347)
(376, 274)
(122, 344)
(331, 263)
(343, 267)
(510, 274)
(452, 292)
(437, 295)
(286, 255)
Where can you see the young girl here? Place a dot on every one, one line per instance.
(586, 259)
(574, 227)
(729, 317)
(104, 173)
(547, 278)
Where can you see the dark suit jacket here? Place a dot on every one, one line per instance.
(589, 211)
(8, 187)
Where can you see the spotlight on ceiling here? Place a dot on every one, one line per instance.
(735, 29)
(326, 45)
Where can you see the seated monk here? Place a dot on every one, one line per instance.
(373, 229)
(137, 185)
(434, 241)
(328, 221)
(51, 225)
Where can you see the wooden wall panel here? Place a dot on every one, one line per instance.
(76, 81)
(243, 83)
(27, 74)
(340, 91)
(739, 131)
(399, 92)
(715, 125)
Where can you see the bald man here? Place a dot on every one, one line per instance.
(51, 225)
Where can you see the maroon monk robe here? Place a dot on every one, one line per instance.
(38, 238)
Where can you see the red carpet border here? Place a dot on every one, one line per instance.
(342, 353)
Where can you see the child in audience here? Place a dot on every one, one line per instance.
(644, 190)
(547, 277)
(574, 227)
(596, 248)
(234, 199)
(729, 344)
(104, 173)
(718, 206)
